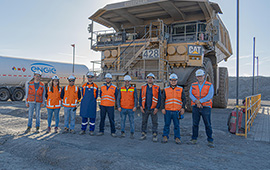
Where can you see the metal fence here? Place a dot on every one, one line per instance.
(252, 107)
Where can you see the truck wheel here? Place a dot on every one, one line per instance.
(17, 95)
(208, 70)
(192, 78)
(4, 94)
(221, 100)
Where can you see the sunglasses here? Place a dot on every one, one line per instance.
(71, 80)
(89, 76)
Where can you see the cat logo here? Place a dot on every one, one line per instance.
(195, 50)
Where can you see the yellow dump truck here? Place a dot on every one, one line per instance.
(163, 37)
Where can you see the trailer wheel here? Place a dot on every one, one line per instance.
(17, 95)
(208, 67)
(4, 94)
(221, 100)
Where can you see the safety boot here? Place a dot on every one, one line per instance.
(114, 135)
(164, 139)
(210, 144)
(82, 132)
(177, 141)
(37, 130)
(131, 135)
(100, 134)
(56, 130)
(48, 130)
(91, 133)
(28, 129)
(193, 142)
(155, 139)
(72, 131)
(66, 130)
(123, 134)
(143, 137)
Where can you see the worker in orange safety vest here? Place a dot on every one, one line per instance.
(150, 97)
(172, 104)
(70, 95)
(127, 101)
(201, 94)
(108, 95)
(54, 101)
(35, 99)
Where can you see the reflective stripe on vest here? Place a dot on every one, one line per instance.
(201, 94)
(54, 99)
(155, 89)
(173, 99)
(127, 97)
(33, 94)
(71, 96)
(108, 95)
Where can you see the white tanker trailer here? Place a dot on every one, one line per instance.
(15, 72)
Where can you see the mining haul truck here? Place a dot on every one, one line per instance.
(163, 37)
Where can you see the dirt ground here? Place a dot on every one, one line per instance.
(74, 151)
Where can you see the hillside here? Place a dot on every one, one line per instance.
(262, 85)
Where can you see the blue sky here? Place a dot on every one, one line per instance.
(45, 29)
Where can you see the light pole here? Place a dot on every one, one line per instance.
(73, 45)
(237, 62)
(253, 78)
(257, 74)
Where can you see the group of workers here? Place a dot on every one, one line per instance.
(171, 102)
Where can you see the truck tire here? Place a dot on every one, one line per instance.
(221, 100)
(209, 73)
(4, 94)
(208, 67)
(17, 95)
(192, 78)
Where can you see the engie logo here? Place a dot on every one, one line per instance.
(44, 68)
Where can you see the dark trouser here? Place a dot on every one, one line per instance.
(154, 118)
(103, 111)
(205, 112)
(91, 122)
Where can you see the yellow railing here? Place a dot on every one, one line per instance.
(252, 107)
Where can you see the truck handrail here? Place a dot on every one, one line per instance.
(119, 57)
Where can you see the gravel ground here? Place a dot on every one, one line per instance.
(70, 151)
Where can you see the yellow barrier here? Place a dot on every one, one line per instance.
(252, 107)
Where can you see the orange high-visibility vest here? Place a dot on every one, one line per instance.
(54, 99)
(33, 95)
(107, 96)
(71, 96)
(199, 95)
(155, 89)
(127, 97)
(94, 86)
(173, 100)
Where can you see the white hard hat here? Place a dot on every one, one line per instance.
(150, 75)
(127, 78)
(108, 75)
(90, 74)
(200, 72)
(38, 72)
(55, 77)
(173, 76)
(71, 77)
